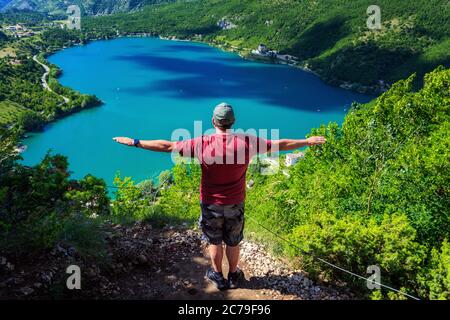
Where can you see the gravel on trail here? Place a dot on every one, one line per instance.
(146, 263)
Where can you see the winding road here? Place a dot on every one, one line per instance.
(44, 79)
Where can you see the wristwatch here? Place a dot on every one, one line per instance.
(136, 142)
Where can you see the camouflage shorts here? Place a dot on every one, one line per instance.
(222, 223)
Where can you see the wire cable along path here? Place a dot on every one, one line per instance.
(331, 264)
(293, 245)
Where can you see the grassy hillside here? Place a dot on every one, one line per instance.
(10, 112)
(329, 36)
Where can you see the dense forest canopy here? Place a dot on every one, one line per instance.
(88, 7)
(23, 17)
(3, 37)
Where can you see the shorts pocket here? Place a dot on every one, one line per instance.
(211, 223)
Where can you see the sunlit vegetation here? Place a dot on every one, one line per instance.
(10, 112)
(21, 84)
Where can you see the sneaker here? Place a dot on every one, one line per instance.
(216, 278)
(234, 278)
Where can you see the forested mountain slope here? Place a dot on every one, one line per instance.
(89, 7)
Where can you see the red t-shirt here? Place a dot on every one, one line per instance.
(224, 160)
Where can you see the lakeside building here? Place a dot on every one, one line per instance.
(19, 31)
(292, 158)
(15, 28)
(264, 51)
(15, 62)
(287, 58)
(25, 34)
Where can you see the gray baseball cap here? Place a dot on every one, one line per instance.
(223, 114)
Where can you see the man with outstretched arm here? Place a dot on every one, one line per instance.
(224, 158)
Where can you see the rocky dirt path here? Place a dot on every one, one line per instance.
(143, 263)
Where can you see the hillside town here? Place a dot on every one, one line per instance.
(18, 31)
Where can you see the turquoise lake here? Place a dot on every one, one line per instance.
(152, 87)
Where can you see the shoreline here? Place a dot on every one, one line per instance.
(346, 85)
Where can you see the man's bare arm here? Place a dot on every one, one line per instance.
(153, 145)
(291, 144)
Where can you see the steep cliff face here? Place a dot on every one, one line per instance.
(88, 7)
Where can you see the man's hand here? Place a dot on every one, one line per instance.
(292, 144)
(312, 141)
(124, 140)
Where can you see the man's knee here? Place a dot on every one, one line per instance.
(233, 242)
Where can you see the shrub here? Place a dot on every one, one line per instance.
(89, 195)
(83, 234)
(40, 206)
(435, 279)
(355, 243)
(180, 202)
